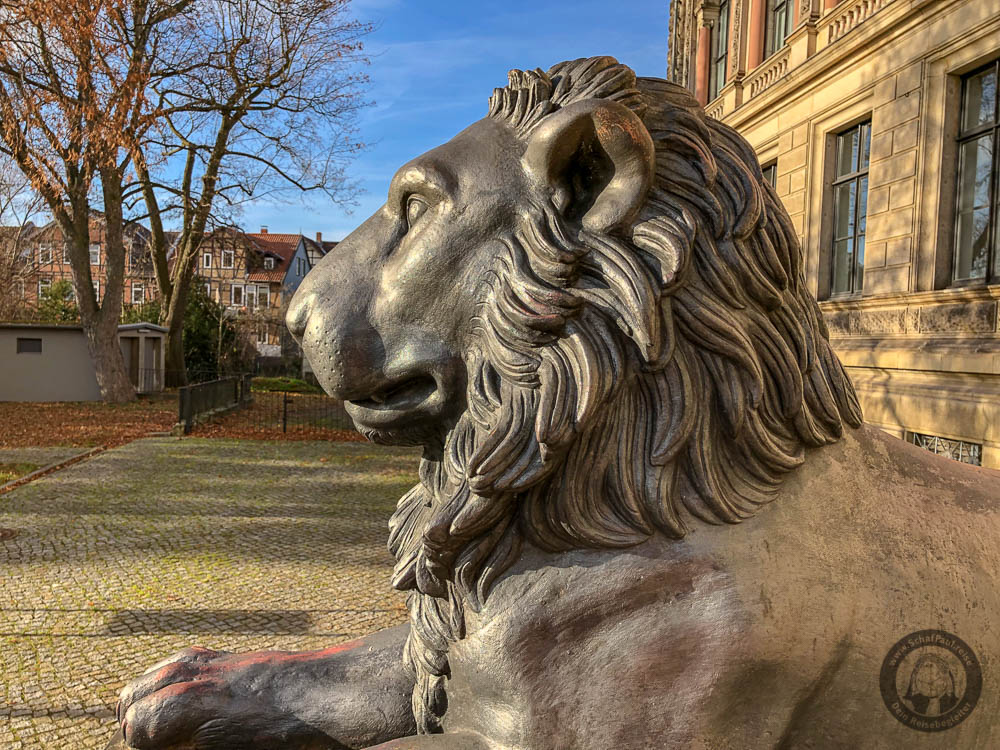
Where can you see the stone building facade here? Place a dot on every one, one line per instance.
(878, 123)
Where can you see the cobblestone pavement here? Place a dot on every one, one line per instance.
(164, 543)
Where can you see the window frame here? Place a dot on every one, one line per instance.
(718, 52)
(856, 176)
(772, 167)
(771, 45)
(206, 260)
(45, 251)
(232, 295)
(965, 447)
(22, 345)
(95, 247)
(992, 273)
(48, 285)
(232, 259)
(268, 263)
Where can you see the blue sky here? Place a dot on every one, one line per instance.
(433, 66)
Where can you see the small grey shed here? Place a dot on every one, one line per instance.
(49, 362)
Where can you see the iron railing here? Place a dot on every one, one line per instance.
(195, 402)
(268, 414)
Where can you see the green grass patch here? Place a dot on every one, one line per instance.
(10, 472)
(284, 385)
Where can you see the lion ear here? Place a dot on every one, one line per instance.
(597, 158)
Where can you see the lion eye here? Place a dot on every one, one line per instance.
(415, 207)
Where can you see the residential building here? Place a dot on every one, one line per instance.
(255, 275)
(45, 261)
(878, 123)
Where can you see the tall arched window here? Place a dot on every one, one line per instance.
(977, 234)
(778, 19)
(719, 58)
(850, 209)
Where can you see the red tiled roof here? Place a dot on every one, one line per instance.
(272, 277)
(281, 245)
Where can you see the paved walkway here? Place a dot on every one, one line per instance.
(163, 543)
(38, 456)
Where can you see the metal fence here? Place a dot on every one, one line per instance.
(153, 380)
(196, 402)
(287, 413)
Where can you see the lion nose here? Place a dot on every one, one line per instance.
(297, 318)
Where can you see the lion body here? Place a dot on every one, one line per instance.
(769, 634)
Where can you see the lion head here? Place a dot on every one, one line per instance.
(590, 310)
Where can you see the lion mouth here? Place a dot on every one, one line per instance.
(401, 396)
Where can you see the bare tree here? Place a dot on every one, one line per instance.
(74, 78)
(259, 97)
(19, 207)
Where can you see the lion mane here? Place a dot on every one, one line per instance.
(611, 397)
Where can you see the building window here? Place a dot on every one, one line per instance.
(976, 232)
(228, 258)
(719, 52)
(29, 346)
(850, 209)
(269, 263)
(262, 335)
(206, 260)
(777, 25)
(258, 296)
(43, 286)
(44, 254)
(138, 293)
(95, 254)
(65, 254)
(959, 450)
(236, 295)
(97, 289)
(770, 173)
(208, 289)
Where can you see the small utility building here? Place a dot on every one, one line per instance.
(42, 362)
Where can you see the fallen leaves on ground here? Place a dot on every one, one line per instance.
(84, 424)
(89, 424)
(306, 417)
(223, 429)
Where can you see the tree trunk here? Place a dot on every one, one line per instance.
(101, 321)
(176, 368)
(174, 320)
(109, 365)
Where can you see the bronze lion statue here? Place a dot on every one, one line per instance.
(649, 515)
